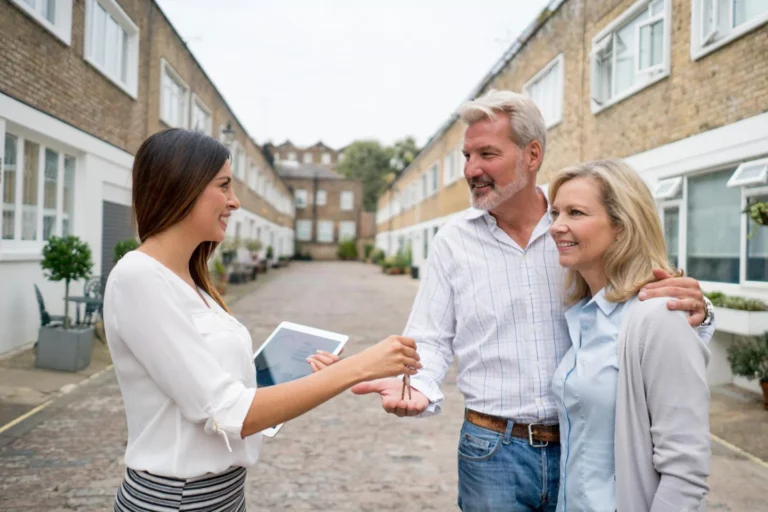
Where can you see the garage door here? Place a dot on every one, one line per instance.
(116, 227)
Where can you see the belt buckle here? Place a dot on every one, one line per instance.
(530, 437)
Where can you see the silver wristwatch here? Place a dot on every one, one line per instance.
(709, 317)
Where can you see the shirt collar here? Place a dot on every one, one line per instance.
(604, 304)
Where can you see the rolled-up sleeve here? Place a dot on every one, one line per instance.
(432, 324)
(162, 336)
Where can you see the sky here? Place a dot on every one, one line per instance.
(344, 70)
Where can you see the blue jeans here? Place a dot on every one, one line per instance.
(498, 472)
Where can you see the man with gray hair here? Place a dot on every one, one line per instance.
(493, 295)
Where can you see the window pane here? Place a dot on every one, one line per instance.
(124, 58)
(745, 10)
(49, 193)
(625, 54)
(672, 234)
(69, 196)
(98, 43)
(48, 8)
(651, 44)
(604, 63)
(29, 193)
(112, 48)
(9, 187)
(714, 218)
(757, 250)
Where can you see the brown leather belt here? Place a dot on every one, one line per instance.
(535, 433)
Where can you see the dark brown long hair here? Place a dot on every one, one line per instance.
(170, 171)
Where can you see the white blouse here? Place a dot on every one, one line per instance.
(185, 372)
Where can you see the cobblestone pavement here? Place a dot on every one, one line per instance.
(346, 455)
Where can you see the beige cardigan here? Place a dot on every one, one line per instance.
(662, 442)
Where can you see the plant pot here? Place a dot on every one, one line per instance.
(764, 385)
(415, 272)
(62, 349)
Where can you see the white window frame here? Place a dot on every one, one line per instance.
(326, 159)
(197, 102)
(762, 179)
(253, 174)
(131, 86)
(16, 248)
(535, 79)
(292, 156)
(321, 224)
(321, 197)
(166, 68)
(746, 194)
(702, 44)
(668, 188)
(62, 25)
(351, 195)
(301, 198)
(304, 230)
(307, 158)
(350, 226)
(601, 40)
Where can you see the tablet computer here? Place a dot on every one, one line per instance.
(283, 357)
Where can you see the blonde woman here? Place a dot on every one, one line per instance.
(632, 395)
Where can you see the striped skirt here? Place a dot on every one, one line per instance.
(142, 491)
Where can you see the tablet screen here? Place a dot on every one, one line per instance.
(284, 358)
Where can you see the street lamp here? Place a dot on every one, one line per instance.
(228, 135)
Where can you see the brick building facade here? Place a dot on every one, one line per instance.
(82, 84)
(329, 209)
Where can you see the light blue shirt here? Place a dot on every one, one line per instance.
(584, 386)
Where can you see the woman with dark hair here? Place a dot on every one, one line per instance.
(183, 363)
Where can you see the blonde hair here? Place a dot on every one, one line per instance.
(639, 246)
(526, 123)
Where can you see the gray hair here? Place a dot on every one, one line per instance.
(526, 123)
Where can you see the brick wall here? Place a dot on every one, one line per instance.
(725, 86)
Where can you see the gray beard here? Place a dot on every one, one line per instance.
(497, 196)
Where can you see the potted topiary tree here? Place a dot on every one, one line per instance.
(749, 358)
(123, 247)
(65, 347)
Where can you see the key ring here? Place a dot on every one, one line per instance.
(406, 384)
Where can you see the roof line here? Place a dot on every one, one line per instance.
(495, 70)
(218, 91)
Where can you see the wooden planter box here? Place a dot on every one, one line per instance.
(745, 323)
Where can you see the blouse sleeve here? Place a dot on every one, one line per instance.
(163, 338)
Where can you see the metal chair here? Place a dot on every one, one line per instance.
(94, 289)
(45, 317)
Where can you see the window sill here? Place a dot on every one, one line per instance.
(596, 109)
(127, 90)
(745, 323)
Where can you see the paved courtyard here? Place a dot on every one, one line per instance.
(346, 455)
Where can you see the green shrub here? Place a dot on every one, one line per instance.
(123, 247)
(378, 256)
(66, 259)
(721, 300)
(367, 250)
(270, 252)
(749, 357)
(347, 250)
